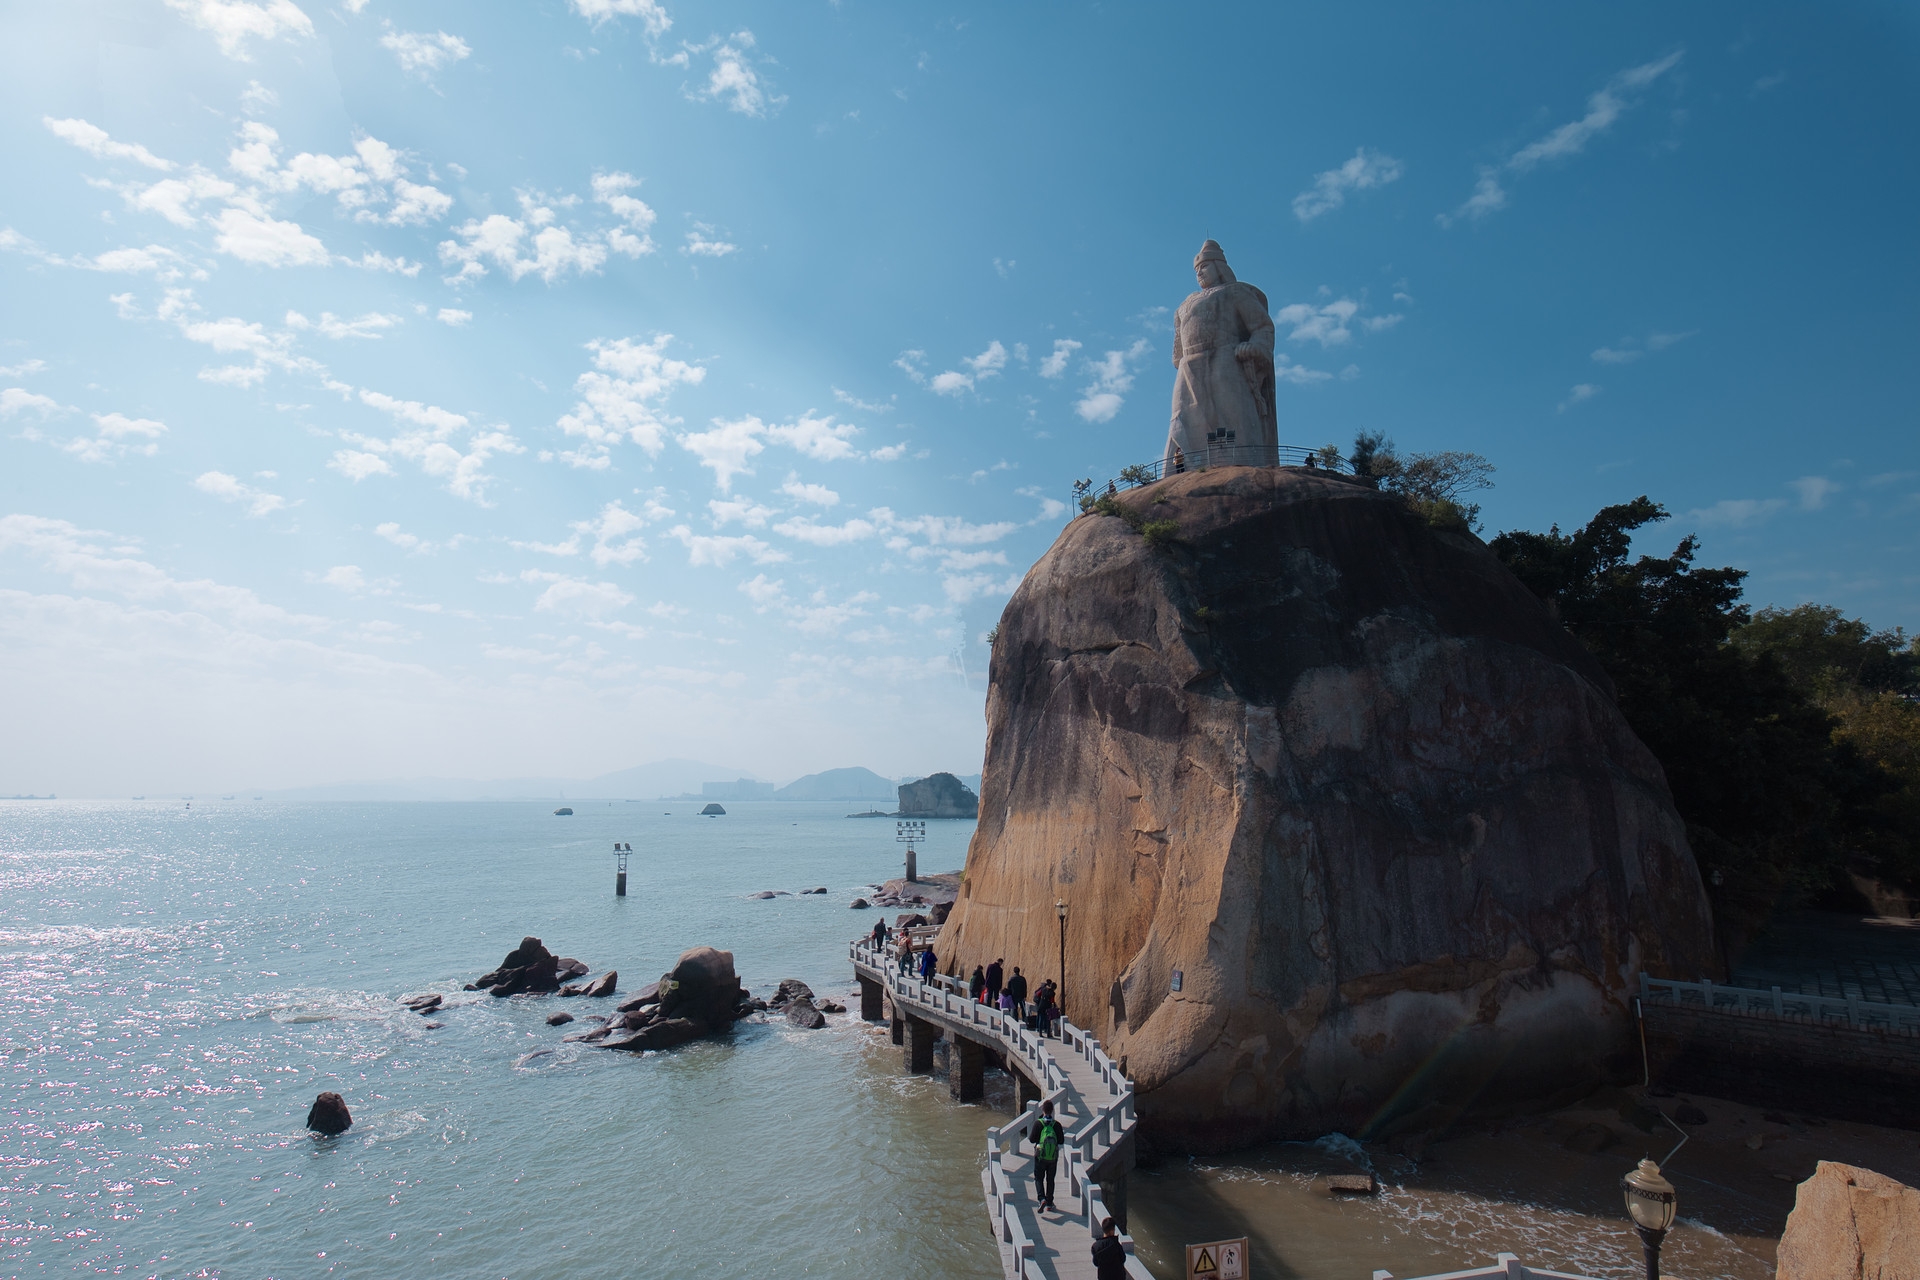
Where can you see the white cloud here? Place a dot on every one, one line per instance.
(15, 400)
(266, 242)
(1661, 341)
(256, 97)
(652, 16)
(727, 448)
(174, 198)
(700, 246)
(431, 445)
(590, 600)
(725, 511)
(1609, 355)
(624, 395)
(1814, 491)
(1056, 364)
(1379, 324)
(234, 22)
(1326, 324)
(454, 316)
(369, 325)
(821, 439)
(616, 535)
(1102, 398)
(913, 364)
(990, 361)
(951, 383)
(356, 465)
(413, 542)
(498, 238)
(1737, 513)
(961, 588)
(610, 190)
(95, 141)
(720, 551)
(1631, 349)
(855, 402)
(345, 577)
(1579, 395)
(762, 592)
(372, 261)
(888, 453)
(1570, 139)
(1367, 169)
(733, 80)
(230, 489)
(803, 529)
(423, 54)
(817, 494)
(942, 530)
(117, 426)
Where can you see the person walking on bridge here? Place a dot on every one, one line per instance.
(880, 934)
(928, 965)
(977, 984)
(995, 977)
(906, 951)
(1017, 988)
(1109, 1256)
(1046, 1136)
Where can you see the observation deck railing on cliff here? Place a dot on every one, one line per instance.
(1086, 492)
(1109, 1123)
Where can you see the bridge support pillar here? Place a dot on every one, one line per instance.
(917, 1037)
(966, 1070)
(899, 1028)
(1025, 1090)
(871, 998)
(1115, 1195)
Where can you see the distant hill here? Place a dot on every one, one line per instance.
(838, 784)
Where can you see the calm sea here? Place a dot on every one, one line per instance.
(176, 985)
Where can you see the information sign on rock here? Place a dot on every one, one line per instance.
(1218, 1260)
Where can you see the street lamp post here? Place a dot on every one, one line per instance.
(1651, 1204)
(1061, 1000)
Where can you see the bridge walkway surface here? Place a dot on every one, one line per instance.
(1092, 1100)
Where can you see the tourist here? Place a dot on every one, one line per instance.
(1046, 1137)
(928, 965)
(1109, 1257)
(906, 952)
(977, 985)
(1043, 1007)
(1017, 988)
(880, 934)
(1179, 461)
(995, 975)
(1006, 1003)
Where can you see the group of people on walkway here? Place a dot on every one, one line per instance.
(990, 984)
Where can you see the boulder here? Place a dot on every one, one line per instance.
(1340, 776)
(939, 796)
(801, 1013)
(528, 967)
(791, 989)
(329, 1115)
(1849, 1222)
(859, 904)
(913, 921)
(701, 986)
(662, 1034)
(649, 994)
(423, 1005)
(827, 1005)
(938, 912)
(819, 889)
(559, 1019)
(568, 967)
(602, 985)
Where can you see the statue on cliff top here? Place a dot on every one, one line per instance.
(1223, 411)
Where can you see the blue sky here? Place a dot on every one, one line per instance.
(393, 389)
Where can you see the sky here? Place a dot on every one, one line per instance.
(393, 389)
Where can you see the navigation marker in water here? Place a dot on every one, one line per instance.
(621, 851)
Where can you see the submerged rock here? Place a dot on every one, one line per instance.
(559, 1019)
(1347, 825)
(801, 1013)
(859, 904)
(329, 1115)
(423, 1005)
(790, 989)
(528, 967)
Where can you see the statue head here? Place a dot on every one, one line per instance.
(1210, 266)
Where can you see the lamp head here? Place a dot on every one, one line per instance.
(1061, 907)
(1650, 1197)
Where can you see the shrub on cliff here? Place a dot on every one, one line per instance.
(1775, 803)
(1433, 484)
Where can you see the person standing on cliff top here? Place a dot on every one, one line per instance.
(1046, 1136)
(1223, 406)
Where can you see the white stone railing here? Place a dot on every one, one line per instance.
(1506, 1266)
(1112, 1120)
(1714, 996)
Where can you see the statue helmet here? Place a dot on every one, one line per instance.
(1209, 252)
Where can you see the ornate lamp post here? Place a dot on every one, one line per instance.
(1651, 1205)
(1061, 907)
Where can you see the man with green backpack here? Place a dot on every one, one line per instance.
(1046, 1137)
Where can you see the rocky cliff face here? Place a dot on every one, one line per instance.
(1338, 777)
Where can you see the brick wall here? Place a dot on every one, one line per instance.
(1870, 1074)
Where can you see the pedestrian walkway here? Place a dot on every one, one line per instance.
(1091, 1099)
(1820, 953)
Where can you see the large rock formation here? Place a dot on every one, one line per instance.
(699, 996)
(1849, 1222)
(1351, 832)
(939, 796)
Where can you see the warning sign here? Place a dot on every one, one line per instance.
(1218, 1260)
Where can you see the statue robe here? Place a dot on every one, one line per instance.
(1223, 410)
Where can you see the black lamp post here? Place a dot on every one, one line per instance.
(1061, 1001)
(1651, 1204)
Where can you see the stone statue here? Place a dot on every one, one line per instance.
(1223, 413)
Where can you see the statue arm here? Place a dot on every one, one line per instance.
(1176, 342)
(1259, 341)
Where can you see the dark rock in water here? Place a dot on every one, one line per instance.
(664, 1034)
(1353, 1184)
(701, 986)
(423, 1005)
(563, 813)
(432, 1026)
(859, 904)
(713, 811)
(770, 893)
(826, 1005)
(559, 1019)
(940, 796)
(329, 1115)
(791, 989)
(1344, 772)
(600, 986)
(821, 889)
(649, 994)
(528, 967)
(1688, 1114)
(913, 921)
(568, 967)
(801, 1013)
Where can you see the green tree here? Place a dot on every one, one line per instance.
(1775, 805)
(1434, 484)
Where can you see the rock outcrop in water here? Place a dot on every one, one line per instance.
(699, 996)
(1351, 833)
(329, 1115)
(939, 796)
(529, 967)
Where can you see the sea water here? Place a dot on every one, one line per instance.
(176, 984)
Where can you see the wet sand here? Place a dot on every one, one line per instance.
(1526, 1188)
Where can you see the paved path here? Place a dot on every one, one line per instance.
(1821, 953)
(1091, 1099)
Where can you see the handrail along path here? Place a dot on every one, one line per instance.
(1092, 1101)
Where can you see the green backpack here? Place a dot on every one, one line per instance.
(1048, 1148)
